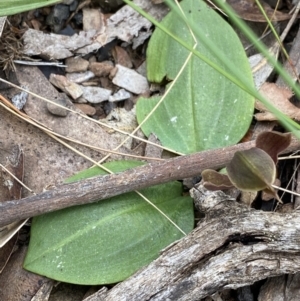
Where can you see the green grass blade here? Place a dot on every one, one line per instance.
(12, 7)
(235, 76)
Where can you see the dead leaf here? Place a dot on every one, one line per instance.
(248, 10)
(16, 283)
(279, 97)
(265, 196)
(213, 180)
(273, 143)
(121, 57)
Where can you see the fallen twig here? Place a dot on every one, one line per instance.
(103, 187)
(233, 246)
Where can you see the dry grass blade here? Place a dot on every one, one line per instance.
(9, 107)
(56, 137)
(88, 118)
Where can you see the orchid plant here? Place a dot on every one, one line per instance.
(253, 169)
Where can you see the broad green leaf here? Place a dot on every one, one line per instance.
(203, 110)
(252, 170)
(11, 7)
(108, 241)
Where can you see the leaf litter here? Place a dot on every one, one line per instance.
(63, 128)
(68, 126)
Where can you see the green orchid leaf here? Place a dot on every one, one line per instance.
(11, 7)
(108, 241)
(203, 110)
(213, 180)
(273, 143)
(252, 170)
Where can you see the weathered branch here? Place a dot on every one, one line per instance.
(234, 246)
(99, 188)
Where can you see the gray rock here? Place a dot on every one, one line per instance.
(65, 85)
(142, 69)
(76, 64)
(56, 110)
(119, 96)
(80, 77)
(95, 94)
(130, 80)
(59, 14)
(19, 100)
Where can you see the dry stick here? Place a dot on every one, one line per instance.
(102, 187)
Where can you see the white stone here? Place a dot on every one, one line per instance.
(130, 80)
(119, 96)
(95, 94)
(80, 77)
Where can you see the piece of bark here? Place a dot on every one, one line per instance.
(281, 288)
(54, 46)
(126, 23)
(233, 246)
(103, 187)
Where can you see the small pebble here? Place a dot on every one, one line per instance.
(121, 57)
(101, 69)
(65, 85)
(58, 111)
(80, 100)
(142, 69)
(130, 80)
(19, 100)
(59, 14)
(119, 96)
(86, 109)
(95, 94)
(76, 64)
(81, 77)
